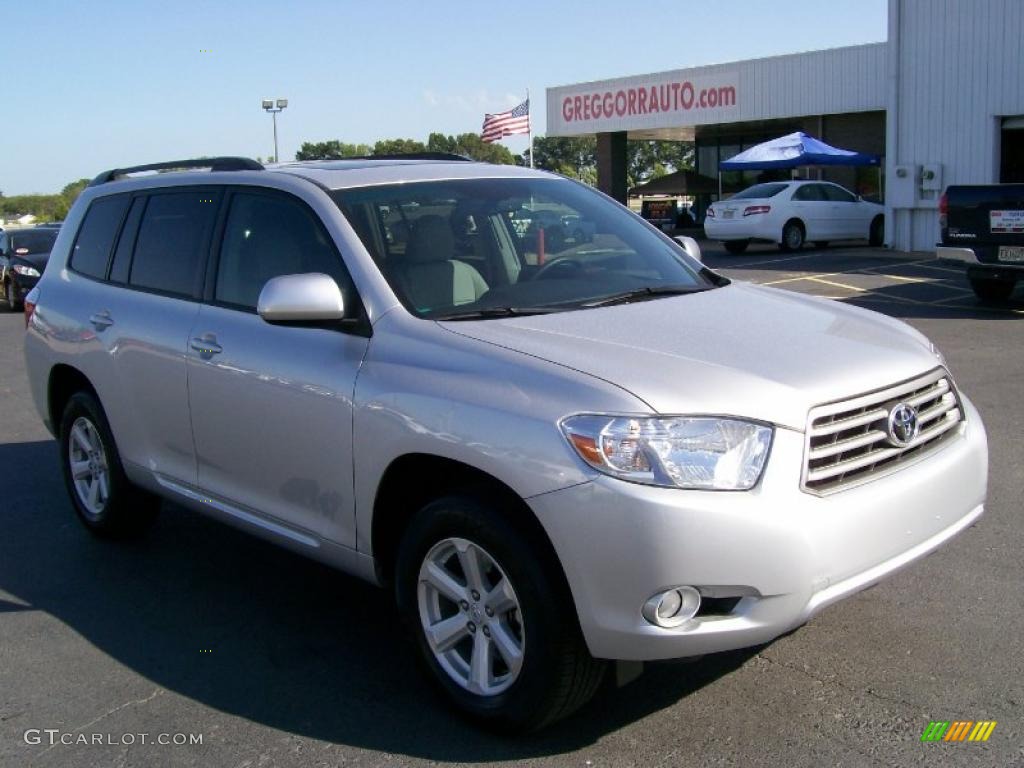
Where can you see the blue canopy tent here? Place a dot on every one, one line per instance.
(792, 151)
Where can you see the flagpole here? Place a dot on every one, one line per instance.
(529, 125)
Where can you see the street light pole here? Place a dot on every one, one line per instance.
(273, 107)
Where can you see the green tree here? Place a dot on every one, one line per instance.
(577, 157)
(398, 147)
(471, 145)
(330, 150)
(569, 156)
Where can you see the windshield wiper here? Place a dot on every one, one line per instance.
(643, 294)
(483, 314)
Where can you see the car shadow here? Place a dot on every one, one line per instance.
(246, 628)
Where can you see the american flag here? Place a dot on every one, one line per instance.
(509, 123)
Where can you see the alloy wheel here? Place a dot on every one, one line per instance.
(89, 469)
(470, 616)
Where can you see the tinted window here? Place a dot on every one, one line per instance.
(810, 193)
(760, 191)
(837, 194)
(270, 235)
(34, 241)
(123, 253)
(173, 235)
(96, 237)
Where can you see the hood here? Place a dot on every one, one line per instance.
(741, 350)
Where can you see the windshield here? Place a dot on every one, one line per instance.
(39, 241)
(759, 191)
(494, 247)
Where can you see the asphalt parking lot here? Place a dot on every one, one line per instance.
(277, 661)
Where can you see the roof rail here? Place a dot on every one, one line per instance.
(412, 156)
(213, 163)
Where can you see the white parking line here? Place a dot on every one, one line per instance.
(834, 284)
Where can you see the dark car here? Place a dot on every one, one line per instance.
(23, 256)
(983, 227)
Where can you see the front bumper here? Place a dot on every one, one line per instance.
(22, 284)
(789, 554)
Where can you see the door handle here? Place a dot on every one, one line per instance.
(206, 345)
(101, 320)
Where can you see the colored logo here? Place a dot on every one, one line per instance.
(903, 425)
(958, 730)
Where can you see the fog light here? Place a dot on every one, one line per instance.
(672, 607)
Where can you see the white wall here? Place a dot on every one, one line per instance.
(956, 67)
(832, 81)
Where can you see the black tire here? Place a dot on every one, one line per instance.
(988, 289)
(876, 235)
(10, 303)
(127, 510)
(792, 237)
(557, 675)
(736, 247)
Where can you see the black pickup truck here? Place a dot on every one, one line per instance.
(983, 227)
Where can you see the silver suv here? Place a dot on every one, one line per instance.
(556, 451)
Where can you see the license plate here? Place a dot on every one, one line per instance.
(1011, 253)
(728, 213)
(1006, 221)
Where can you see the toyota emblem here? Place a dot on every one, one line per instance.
(903, 425)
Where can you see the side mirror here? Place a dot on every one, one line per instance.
(307, 298)
(691, 246)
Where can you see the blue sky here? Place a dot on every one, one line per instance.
(92, 85)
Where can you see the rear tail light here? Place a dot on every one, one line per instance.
(711, 213)
(752, 210)
(943, 211)
(30, 304)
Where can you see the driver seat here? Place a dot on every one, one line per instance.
(428, 274)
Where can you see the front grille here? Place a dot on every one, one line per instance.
(848, 442)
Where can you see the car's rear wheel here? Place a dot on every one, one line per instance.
(736, 246)
(988, 289)
(105, 500)
(792, 236)
(876, 235)
(493, 621)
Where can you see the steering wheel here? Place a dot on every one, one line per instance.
(558, 268)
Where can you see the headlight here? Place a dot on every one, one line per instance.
(675, 451)
(21, 269)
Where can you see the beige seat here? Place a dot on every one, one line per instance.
(428, 274)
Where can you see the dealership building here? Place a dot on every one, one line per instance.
(942, 101)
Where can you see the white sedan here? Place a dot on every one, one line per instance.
(791, 213)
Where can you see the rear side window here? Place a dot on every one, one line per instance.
(172, 242)
(810, 193)
(96, 237)
(270, 235)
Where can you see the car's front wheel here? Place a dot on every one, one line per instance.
(876, 235)
(10, 293)
(105, 500)
(493, 620)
